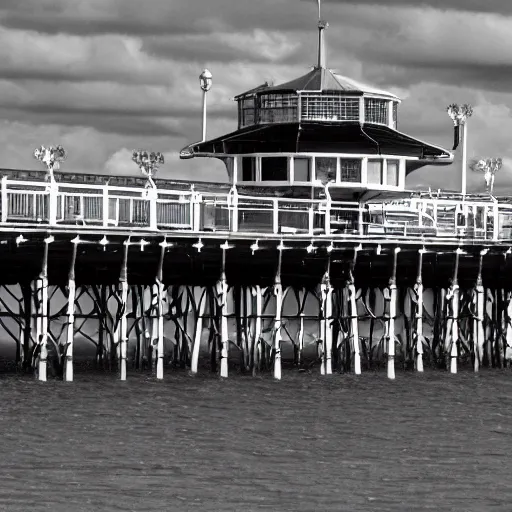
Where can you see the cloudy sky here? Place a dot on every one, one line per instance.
(103, 77)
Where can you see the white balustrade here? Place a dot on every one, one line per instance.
(105, 206)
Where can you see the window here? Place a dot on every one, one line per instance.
(374, 172)
(246, 112)
(392, 173)
(325, 168)
(376, 111)
(274, 168)
(278, 108)
(329, 107)
(302, 169)
(248, 168)
(350, 170)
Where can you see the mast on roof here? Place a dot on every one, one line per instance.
(322, 25)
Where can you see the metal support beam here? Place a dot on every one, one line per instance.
(42, 313)
(68, 353)
(354, 320)
(453, 297)
(478, 322)
(222, 298)
(200, 307)
(278, 292)
(158, 322)
(392, 316)
(326, 293)
(123, 331)
(418, 326)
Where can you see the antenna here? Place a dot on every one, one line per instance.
(322, 25)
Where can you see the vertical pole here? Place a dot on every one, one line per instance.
(42, 321)
(464, 127)
(198, 332)
(159, 285)
(204, 115)
(278, 292)
(392, 316)
(4, 200)
(222, 297)
(326, 289)
(123, 332)
(68, 354)
(53, 195)
(257, 328)
(478, 328)
(453, 297)
(418, 291)
(105, 205)
(354, 320)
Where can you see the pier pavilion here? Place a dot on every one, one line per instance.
(314, 244)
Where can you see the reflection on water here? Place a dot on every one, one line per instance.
(424, 442)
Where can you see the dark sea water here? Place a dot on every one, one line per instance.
(308, 443)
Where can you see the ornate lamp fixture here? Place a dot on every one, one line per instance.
(51, 157)
(205, 81)
(459, 115)
(148, 163)
(489, 167)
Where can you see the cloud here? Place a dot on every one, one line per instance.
(115, 74)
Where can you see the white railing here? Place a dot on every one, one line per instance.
(104, 206)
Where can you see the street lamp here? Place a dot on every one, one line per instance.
(51, 157)
(459, 115)
(148, 163)
(205, 80)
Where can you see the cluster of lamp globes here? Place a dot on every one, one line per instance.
(148, 162)
(489, 166)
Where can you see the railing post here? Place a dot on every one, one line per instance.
(196, 200)
(311, 219)
(328, 218)
(360, 220)
(275, 215)
(495, 224)
(4, 199)
(105, 205)
(53, 196)
(233, 208)
(152, 196)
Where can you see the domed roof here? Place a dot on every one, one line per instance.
(324, 80)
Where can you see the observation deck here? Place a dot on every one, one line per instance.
(102, 205)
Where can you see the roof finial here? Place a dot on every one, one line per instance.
(322, 25)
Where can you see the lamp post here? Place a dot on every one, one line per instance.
(148, 163)
(51, 157)
(205, 80)
(459, 115)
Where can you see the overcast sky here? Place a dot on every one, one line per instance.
(103, 77)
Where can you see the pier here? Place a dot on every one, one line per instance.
(181, 273)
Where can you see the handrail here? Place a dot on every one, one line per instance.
(112, 207)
